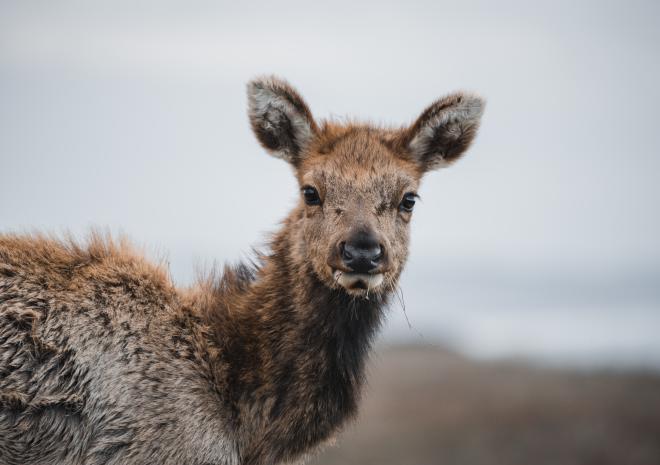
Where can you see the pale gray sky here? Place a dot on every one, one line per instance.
(132, 115)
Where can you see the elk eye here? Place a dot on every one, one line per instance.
(408, 202)
(311, 195)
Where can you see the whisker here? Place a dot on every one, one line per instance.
(398, 290)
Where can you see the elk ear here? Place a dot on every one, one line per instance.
(443, 131)
(280, 118)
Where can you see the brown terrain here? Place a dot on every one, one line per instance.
(427, 406)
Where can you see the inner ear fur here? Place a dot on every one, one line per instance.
(444, 131)
(280, 118)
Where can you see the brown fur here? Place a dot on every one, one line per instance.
(104, 361)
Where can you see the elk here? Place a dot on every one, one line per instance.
(104, 361)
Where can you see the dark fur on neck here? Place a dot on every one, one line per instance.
(291, 353)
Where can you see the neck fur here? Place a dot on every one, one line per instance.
(291, 352)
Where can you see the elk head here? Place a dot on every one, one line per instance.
(358, 183)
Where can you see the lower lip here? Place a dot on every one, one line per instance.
(358, 281)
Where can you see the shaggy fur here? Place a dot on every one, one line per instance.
(104, 361)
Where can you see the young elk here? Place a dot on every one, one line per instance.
(104, 361)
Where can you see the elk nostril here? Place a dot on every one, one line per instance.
(379, 253)
(346, 255)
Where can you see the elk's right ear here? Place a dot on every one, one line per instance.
(280, 118)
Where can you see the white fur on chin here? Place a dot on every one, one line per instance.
(358, 281)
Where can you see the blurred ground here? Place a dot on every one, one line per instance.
(428, 406)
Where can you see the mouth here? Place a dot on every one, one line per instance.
(358, 282)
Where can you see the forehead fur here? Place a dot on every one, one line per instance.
(358, 155)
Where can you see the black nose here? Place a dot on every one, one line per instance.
(362, 253)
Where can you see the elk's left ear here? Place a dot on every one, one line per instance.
(443, 131)
(280, 118)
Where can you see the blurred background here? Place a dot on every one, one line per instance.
(532, 292)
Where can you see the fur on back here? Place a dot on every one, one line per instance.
(99, 360)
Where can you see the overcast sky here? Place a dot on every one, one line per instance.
(131, 115)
